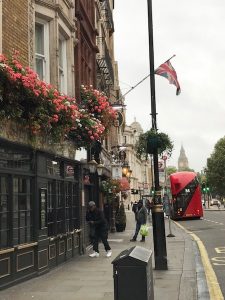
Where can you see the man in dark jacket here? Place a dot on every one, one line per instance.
(141, 219)
(99, 229)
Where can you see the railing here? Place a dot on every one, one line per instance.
(104, 61)
(105, 6)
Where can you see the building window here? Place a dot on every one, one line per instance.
(22, 209)
(75, 206)
(62, 65)
(14, 159)
(4, 212)
(68, 205)
(42, 50)
(62, 207)
(53, 167)
(51, 210)
(86, 63)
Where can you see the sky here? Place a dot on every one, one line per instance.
(194, 31)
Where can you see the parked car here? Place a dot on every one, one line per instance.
(214, 202)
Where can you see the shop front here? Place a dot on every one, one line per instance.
(40, 211)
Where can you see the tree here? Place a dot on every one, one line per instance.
(215, 172)
(170, 170)
(187, 169)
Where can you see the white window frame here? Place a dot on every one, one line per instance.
(45, 56)
(62, 70)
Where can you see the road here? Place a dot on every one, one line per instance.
(211, 231)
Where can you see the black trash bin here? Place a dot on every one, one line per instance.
(133, 277)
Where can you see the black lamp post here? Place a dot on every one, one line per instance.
(158, 224)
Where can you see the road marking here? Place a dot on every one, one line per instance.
(219, 261)
(213, 221)
(220, 250)
(212, 282)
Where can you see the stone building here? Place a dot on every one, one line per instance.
(141, 176)
(182, 160)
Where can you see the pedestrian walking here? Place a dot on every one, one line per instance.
(99, 228)
(149, 205)
(141, 219)
(134, 208)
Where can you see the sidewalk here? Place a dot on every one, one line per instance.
(214, 208)
(87, 278)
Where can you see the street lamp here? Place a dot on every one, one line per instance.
(118, 105)
(100, 168)
(158, 224)
(92, 164)
(129, 173)
(125, 170)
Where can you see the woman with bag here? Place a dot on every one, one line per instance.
(141, 219)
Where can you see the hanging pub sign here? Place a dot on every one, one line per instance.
(69, 171)
(118, 119)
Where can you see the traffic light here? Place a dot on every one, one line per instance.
(207, 189)
(203, 187)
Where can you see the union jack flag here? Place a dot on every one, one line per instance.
(166, 70)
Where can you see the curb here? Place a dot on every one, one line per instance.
(208, 209)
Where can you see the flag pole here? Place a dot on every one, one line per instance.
(158, 224)
(170, 58)
(139, 82)
(133, 87)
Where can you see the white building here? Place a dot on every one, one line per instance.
(141, 176)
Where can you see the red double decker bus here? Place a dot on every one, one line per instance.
(186, 196)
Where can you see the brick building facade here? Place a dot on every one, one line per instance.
(68, 43)
(15, 31)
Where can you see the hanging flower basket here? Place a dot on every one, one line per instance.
(44, 113)
(152, 142)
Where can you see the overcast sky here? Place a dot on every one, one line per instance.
(194, 31)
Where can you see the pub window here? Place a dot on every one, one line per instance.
(75, 206)
(51, 209)
(22, 209)
(4, 212)
(13, 159)
(68, 206)
(59, 207)
(53, 167)
(55, 208)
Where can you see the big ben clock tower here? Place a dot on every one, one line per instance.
(182, 160)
